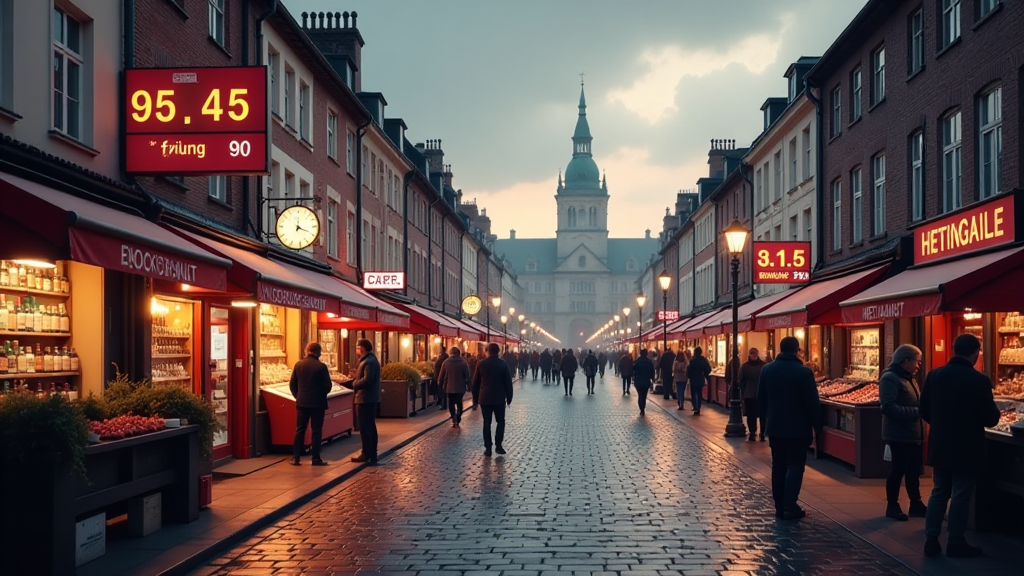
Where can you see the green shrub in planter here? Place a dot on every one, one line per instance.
(400, 371)
(33, 426)
(92, 407)
(425, 368)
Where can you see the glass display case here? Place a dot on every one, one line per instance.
(172, 342)
(218, 380)
(865, 348)
(1009, 354)
(273, 367)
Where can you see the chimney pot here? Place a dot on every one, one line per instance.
(305, 17)
(354, 18)
(330, 20)
(344, 16)
(323, 21)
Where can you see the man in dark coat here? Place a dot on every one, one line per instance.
(665, 367)
(569, 367)
(545, 366)
(788, 397)
(367, 398)
(492, 391)
(310, 384)
(625, 369)
(590, 370)
(602, 361)
(534, 363)
(643, 378)
(957, 402)
(902, 430)
(439, 395)
(454, 379)
(750, 375)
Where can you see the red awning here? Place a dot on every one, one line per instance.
(467, 332)
(478, 327)
(816, 303)
(426, 321)
(710, 325)
(746, 312)
(987, 283)
(39, 222)
(684, 325)
(354, 299)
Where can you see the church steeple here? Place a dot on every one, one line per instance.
(582, 175)
(581, 138)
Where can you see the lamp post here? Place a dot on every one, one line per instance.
(735, 238)
(665, 281)
(521, 318)
(617, 323)
(641, 299)
(496, 302)
(504, 332)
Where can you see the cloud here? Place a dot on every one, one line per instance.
(652, 96)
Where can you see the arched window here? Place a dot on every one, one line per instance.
(593, 217)
(572, 217)
(583, 261)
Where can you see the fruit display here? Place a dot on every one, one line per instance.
(836, 386)
(125, 426)
(867, 394)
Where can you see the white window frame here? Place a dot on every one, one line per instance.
(878, 76)
(289, 96)
(916, 41)
(350, 152)
(952, 162)
(917, 176)
(837, 111)
(216, 21)
(793, 160)
(950, 22)
(273, 61)
(304, 110)
(807, 152)
(332, 228)
(837, 215)
(332, 134)
(72, 65)
(856, 206)
(990, 142)
(350, 238)
(777, 192)
(856, 86)
(759, 196)
(878, 195)
(217, 188)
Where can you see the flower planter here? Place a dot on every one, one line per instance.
(396, 400)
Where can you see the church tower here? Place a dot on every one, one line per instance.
(582, 198)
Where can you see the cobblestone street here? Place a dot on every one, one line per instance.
(587, 487)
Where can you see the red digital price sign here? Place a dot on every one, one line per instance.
(782, 262)
(192, 121)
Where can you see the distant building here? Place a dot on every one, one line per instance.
(574, 283)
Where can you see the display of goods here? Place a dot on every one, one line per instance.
(274, 373)
(863, 373)
(125, 426)
(837, 386)
(1010, 388)
(1008, 416)
(868, 394)
(1012, 355)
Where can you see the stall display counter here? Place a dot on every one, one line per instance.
(717, 389)
(999, 497)
(338, 420)
(853, 433)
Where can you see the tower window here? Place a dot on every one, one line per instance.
(582, 261)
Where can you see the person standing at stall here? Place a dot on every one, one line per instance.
(902, 430)
(750, 374)
(492, 390)
(310, 383)
(439, 396)
(665, 367)
(367, 399)
(957, 402)
(454, 379)
(643, 379)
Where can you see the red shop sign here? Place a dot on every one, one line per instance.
(984, 225)
(294, 298)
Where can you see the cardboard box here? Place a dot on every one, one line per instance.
(145, 515)
(90, 539)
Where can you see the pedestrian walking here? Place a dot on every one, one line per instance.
(454, 379)
(569, 367)
(492, 391)
(534, 363)
(682, 362)
(643, 379)
(367, 398)
(903, 431)
(957, 402)
(439, 396)
(310, 383)
(524, 363)
(602, 361)
(788, 397)
(545, 366)
(590, 370)
(665, 367)
(750, 374)
(626, 371)
(556, 366)
(697, 373)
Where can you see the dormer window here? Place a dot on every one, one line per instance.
(582, 261)
(531, 265)
(631, 264)
(792, 86)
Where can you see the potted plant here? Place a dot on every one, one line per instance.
(398, 390)
(34, 427)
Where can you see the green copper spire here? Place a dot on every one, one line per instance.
(582, 175)
(582, 134)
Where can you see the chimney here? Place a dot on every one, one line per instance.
(647, 234)
(686, 203)
(435, 155)
(447, 173)
(336, 36)
(512, 234)
(716, 156)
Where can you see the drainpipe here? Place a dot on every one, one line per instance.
(819, 167)
(462, 272)
(257, 228)
(405, 228)
(359, 200)
(743, 173)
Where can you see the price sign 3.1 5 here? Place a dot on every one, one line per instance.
(782, 262)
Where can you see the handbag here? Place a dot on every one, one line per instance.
(887, 454)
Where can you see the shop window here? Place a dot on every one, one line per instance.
(865, 353)
(172, 342)
(1010, 356)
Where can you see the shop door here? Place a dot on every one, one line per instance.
(218, 379)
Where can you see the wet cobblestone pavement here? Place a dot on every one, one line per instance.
(587, 487)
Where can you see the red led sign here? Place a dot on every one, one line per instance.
(782, 262)
(190, 121)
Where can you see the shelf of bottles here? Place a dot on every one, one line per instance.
(273, 365)
(35, 327)
(1010, 356)
(171, 342)
(865, 351)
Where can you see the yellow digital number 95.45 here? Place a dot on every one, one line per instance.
(142, 103)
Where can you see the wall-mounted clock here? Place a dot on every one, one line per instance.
(297, 227)
(471, 304)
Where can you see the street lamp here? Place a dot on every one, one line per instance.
(640, 301)
(496, 302)
(735, 238)
(521, 318)
(665, 281)
(504, 332)
(617, 324)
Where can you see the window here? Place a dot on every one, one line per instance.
(289, 96)
(572, 217)
(631, 264)
(855, 94)
(364, 245)
(857, 233)
(950, 22)
(593, 217)
(878, 79)
(794, 228)
(878, 195)
(951, 165)
(917, 176)
(67, 74)
(350, 152)
(332, 228)
(582, 261)
(777, 192)
(837, 111)
(273, 59)
(793, 157)
(350, 238)
(808, 224)
(303, 111)
(362, 169)
(985, 7)
(332, 135)
(217, 21)
(990, 143)
(758, 178)
(916, 53)
(218, 188)
(807, 152)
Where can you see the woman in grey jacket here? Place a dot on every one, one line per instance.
(902, 430)
(454, 380)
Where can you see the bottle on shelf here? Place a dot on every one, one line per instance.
(5, 277)
(74, 361)
(48, 360)
(29, 274)
(65, 320)
(20, 311)
(12, 359)
(3, 357)
(65, 360)
(3, 312)
(38, 357)
(37, 316)
(47, 281)
(23, 361)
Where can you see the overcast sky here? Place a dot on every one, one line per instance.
(498, 82)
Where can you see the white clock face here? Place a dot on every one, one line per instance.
(297, 227)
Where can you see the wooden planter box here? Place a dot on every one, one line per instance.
(41, 501)
(396, 401)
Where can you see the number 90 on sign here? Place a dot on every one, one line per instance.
(196, 154)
